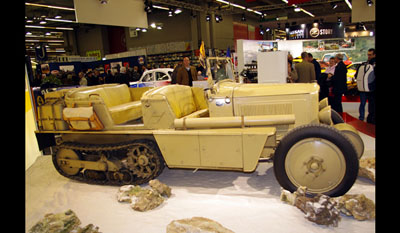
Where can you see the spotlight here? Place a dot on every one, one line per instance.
(333, 5)
(369, 2)
(339, 19)
(217, 18)
(148, 7)
(170, 13)
(267, 29)
(208, 17)
(243, 17)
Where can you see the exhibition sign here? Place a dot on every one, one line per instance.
(316, 31)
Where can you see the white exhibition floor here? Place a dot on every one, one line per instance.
(242, 202)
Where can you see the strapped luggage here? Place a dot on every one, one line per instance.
(50, 115)
(82, 118)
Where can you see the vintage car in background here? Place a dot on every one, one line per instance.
(324, 62)
(154, 78)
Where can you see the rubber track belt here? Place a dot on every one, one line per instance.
(93, 148)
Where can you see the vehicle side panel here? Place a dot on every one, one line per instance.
(230, 149)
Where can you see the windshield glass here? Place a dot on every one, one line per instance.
(220, 69)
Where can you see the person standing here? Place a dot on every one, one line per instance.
(317, 67)
(370, 95)
(292, 74)
(325, 79)
(186, 74)
(82, 79)
(339, 83)
(305, 70)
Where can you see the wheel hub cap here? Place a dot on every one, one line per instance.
(315, 163)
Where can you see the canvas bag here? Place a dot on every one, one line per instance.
(82, 118)
(366, 78)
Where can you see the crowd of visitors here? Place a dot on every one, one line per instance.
(333, 81)
(90, 77)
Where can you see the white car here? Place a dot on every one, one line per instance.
(154, 78)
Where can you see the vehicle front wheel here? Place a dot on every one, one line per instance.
(318, 157)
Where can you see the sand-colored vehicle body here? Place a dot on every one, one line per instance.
(228, 127)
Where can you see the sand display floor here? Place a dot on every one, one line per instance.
(242, 202)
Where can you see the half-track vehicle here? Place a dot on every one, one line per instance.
(112, 134)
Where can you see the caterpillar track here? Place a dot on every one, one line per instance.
(135, 162)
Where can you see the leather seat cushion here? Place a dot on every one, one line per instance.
(126, 112)
(179, 97)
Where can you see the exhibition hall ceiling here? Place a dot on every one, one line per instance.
(52, 19)
(264, 10)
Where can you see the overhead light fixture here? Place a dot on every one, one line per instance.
(349, 4)
(170, 13)
(239, 6)
(208, 17)
(299, 8)
(153, 25)
(177, 11)
(369, 2)
(159, 27)
(42, 21)
(243, 17)
(43, 27)
(58, 17)
(333, 5)
(48, 6)
(307, 12)
(61, 20)
(138, 29)
(161, 7)
(144, 30)
(267, 29)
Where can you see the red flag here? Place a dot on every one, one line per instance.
(291, 2)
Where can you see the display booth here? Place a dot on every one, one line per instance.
(321, 45)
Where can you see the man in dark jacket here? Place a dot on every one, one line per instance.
(339, 83)
(186, 74)
(317, 68)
